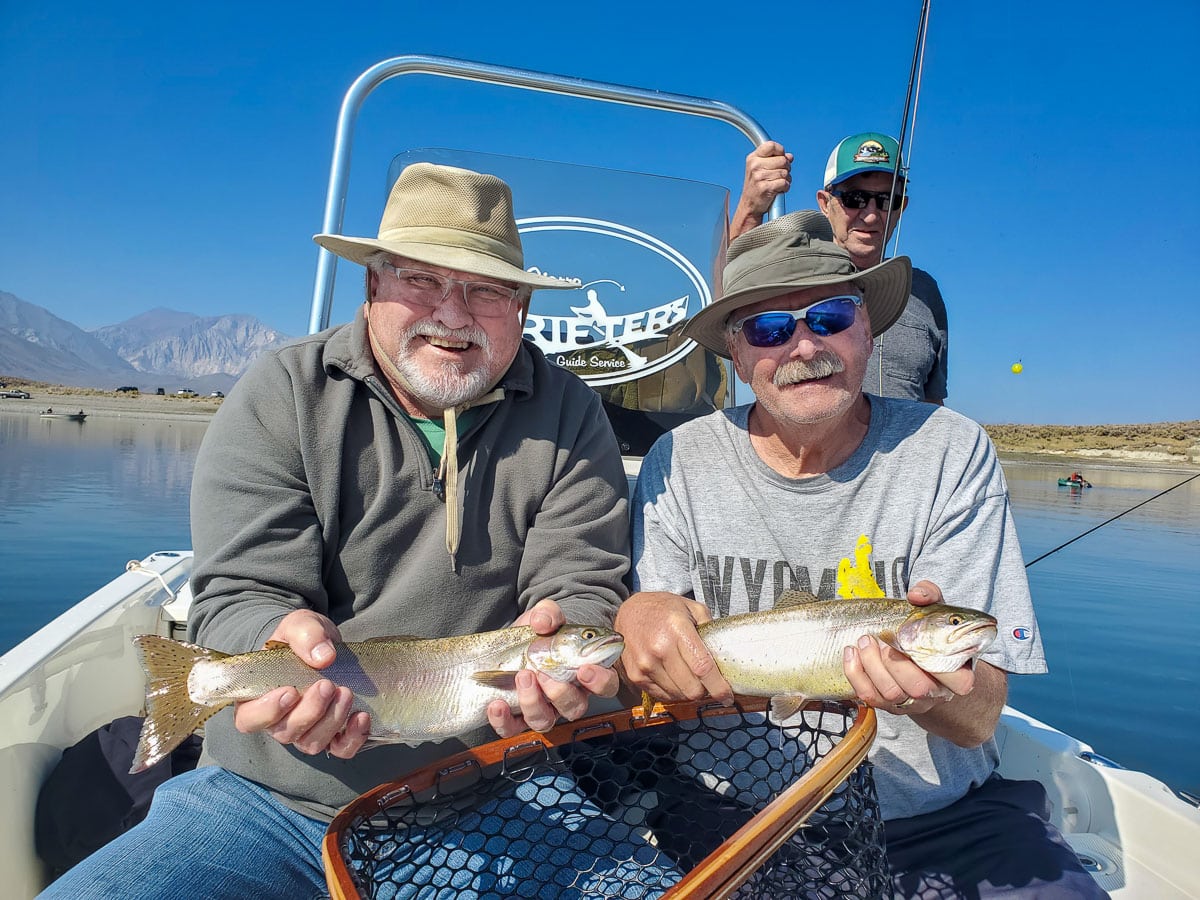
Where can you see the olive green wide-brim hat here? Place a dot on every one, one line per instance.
(450, 217)
(788, 254)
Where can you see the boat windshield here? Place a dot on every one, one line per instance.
(645, 249)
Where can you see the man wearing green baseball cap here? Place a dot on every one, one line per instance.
(863, 195)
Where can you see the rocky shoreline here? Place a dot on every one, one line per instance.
(1091, 460)
(1010, 440)
(109, 405)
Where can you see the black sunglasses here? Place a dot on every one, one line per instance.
(774, 328)
(885, 200)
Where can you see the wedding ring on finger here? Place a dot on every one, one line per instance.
(906, 703)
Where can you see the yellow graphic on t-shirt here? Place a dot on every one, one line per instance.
(855, 580)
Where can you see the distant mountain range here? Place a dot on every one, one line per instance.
(159, 348)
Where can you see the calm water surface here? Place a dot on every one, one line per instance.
(80, 499)
(1119, 612)
(1119, 609)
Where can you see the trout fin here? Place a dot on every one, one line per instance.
(784, 706)
(171, 714)
(796, 598)
(496, 678)
(888, 636)
(391, 637)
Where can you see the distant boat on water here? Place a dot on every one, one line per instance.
(1074, 480)
(73, 417)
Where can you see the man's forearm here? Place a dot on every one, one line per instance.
(970, 720)
(744, 218)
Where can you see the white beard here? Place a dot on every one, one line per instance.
(447, 385)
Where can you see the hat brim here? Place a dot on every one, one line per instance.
(890, 170)
(885, 289)
(463, 259)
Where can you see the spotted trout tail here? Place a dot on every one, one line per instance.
(171, 714)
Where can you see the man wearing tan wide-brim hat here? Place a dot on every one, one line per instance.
(818, 491)
(418, 471)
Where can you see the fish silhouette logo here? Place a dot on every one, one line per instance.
(1021, 633)
(618, 324)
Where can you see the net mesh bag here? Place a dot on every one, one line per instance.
(689, 801)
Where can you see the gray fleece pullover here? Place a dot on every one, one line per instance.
(313, 490)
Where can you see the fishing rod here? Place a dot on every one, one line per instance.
(912, 94)
(911, 97)
(1113, 519)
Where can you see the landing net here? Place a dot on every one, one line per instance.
(691, 801)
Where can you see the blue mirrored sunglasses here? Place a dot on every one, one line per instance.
(776, 327)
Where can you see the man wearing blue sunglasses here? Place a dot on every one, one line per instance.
(819, 487)
(863, 197)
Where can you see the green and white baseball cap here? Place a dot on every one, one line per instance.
(870, 151)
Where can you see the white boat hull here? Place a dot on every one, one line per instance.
(1137, 837)
(65, 681)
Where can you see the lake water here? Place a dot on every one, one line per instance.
(1119, 609)
(78, 500)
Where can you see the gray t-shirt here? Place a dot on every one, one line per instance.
(909, 360)
(713, 522)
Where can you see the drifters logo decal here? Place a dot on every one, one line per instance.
(614, 328)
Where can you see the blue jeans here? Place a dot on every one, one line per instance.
(996, 843)
(215, 835)
(211, 834)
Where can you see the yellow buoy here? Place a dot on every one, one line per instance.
(1017, 368)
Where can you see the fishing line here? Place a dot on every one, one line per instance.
(1113, 519)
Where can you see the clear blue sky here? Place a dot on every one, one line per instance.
(177, 155)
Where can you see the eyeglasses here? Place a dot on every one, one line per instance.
(775, 328)
(885, 200)
(483, 298)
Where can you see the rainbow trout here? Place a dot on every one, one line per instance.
(416, 690)
(793, 653)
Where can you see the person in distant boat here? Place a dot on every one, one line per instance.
(843, 495)
(858, 199)
(421, 471)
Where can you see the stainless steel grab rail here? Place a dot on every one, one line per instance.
(339, 174)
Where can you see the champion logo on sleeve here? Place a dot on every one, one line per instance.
(1022, 633)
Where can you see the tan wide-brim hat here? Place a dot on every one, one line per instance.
(449, 217)
(788, 254)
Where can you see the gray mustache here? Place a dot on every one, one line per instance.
(796, 371)
(472, 333)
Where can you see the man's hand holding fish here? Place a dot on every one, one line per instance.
(317, 720)
(667, 659)
(671, 660)
(886, 678)
(544, 699)
(320, 718)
